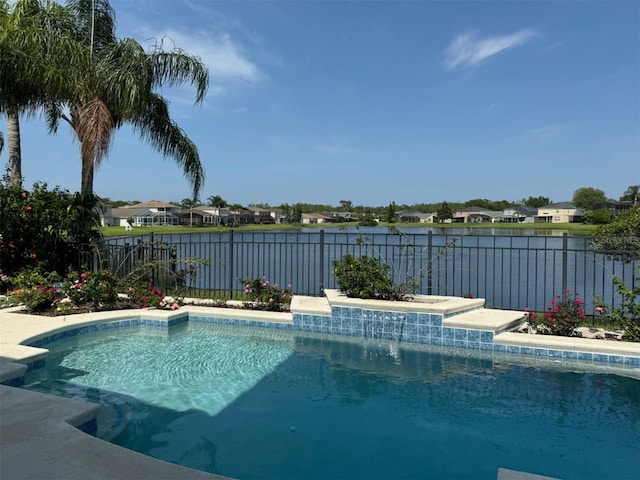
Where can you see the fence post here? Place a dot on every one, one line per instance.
(429, 262)
(230, 263)
(153, 263)
(321, 279)
(565, 261)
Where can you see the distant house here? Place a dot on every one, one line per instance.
(485, 216)
(519, 214)
(614, 208)
(147, 214)
(562, 212)
(462, 216)
(316, 218)
(411, 216)
(262, 215)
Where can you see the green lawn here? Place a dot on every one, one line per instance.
(572, 228)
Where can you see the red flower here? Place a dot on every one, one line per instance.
(32, 255)
(28, 208)
(533, 316)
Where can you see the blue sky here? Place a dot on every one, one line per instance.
(373, 102)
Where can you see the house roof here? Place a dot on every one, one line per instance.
(558, 205)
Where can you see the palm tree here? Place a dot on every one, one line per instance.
(36, 43)
(216, 201)
(117, 87)
(631, 194)
(190, 203)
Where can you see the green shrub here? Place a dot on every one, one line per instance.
(627, 314)
(263, 295)
(365, 277)
(147, 295)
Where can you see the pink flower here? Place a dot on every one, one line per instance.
(527, 309)
(578, 301)
(79, 285)
(131, 289)
(4, 278)
(567, 291)
(83, 276)
(271, 300)
(599, 309)
(533, 316)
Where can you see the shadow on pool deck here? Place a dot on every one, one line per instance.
(39, 439)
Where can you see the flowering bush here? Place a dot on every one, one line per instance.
(263, 295)
(562, 317)
(37, 291)
(149, 296)
(99, 288)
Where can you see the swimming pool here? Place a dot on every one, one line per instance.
(262, 403)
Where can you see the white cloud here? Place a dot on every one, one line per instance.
(224, 58)
(467, 49)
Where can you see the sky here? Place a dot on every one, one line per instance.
(380, 101)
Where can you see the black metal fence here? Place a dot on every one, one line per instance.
(510, 272)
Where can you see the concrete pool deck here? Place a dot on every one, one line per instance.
(38, 434)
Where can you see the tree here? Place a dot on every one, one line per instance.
(631, 194)
(537, 202)
(38, 49)
(587, 197)
(620, 239)
(190, 203)
(116, 86)
(216, 201)
(346, 205)
(444, 212)
(391, 211)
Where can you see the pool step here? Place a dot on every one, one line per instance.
(486, 319)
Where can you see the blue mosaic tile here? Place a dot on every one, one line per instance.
(632, 361)
(599, 357)
(436, 332)
(460, 334)
(473, 345)
(423, 319)
(486, 346)
(411, 330)
(473, 335)
(585, 356)
(486, 337)
(412, 338)
(424, 331)
(411, 319)
(447, 333)
(540, 352)
(513, 349)
(569, 355)
(526, 350)
(435, 340)
(447, 341)
(436, 320)
(554, 353)
(616, 359)
(499, 348)
(460, 343)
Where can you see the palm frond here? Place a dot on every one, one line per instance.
(94, 126)
(155, 126)
(178, 68)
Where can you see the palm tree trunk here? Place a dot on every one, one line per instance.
(15, 153)
(87, 177)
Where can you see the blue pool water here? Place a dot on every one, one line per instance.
(254, 403)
